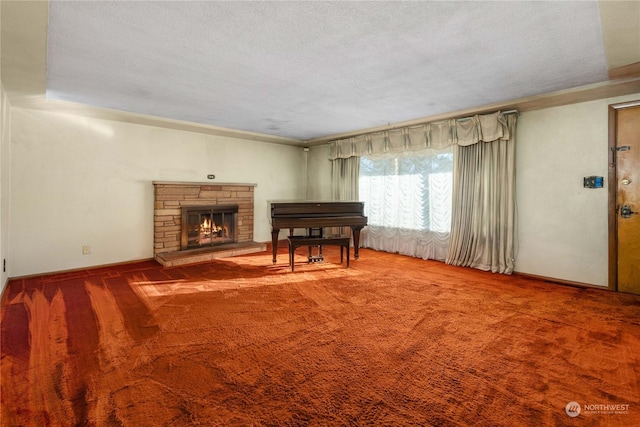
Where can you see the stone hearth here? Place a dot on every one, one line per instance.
(171, 197)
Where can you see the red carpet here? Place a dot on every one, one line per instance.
(391, 341)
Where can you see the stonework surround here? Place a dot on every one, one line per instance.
(170, 197)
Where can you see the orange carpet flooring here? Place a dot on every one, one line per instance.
(390, 341)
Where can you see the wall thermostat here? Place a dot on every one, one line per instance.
(593, 182)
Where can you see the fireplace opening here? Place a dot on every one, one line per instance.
(205, 226)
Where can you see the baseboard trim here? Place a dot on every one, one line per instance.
(560, 281)
(72, 270)
(284, 243)
(4, 288)
(281, 243)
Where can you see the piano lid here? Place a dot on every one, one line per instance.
(270, 202)
(293, 208)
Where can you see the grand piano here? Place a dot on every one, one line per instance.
(310, 215)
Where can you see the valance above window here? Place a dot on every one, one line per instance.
(463, 132)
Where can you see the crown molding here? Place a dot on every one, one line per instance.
(66, 107)
(608, 89)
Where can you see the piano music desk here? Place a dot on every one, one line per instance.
(297, 241)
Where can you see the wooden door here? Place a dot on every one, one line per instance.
(626, 162)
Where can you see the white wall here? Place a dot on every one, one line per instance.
(562, 227)
(5, 181)
(319, 173)
(79, 181)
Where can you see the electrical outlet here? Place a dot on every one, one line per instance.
(86, 250)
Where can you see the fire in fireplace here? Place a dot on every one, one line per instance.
(204, 226)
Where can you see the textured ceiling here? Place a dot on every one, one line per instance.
(305, 70)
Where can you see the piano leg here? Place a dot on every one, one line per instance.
(274, 243)
(356, 241)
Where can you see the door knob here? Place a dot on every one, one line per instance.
(626, 212)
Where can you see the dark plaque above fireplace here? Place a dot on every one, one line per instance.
(205, 226)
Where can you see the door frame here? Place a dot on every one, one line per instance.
(613, 190)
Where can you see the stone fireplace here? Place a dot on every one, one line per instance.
(197, 222)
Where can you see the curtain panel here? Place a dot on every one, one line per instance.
(344, 178)
(483, 209)
(461, 132)
(345, 175)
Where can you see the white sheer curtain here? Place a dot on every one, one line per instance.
(408, 202)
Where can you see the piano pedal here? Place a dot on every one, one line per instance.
(314, 259)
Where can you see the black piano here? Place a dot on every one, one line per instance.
(317, 215)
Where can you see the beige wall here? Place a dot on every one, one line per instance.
(319, 173)
(562, 227)
(5, 177)
(79, 181)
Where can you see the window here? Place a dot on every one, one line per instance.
(407, 199)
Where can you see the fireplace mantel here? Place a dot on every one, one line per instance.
(171, 196)
(189, 183)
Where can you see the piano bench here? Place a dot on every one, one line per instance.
(297, 241)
